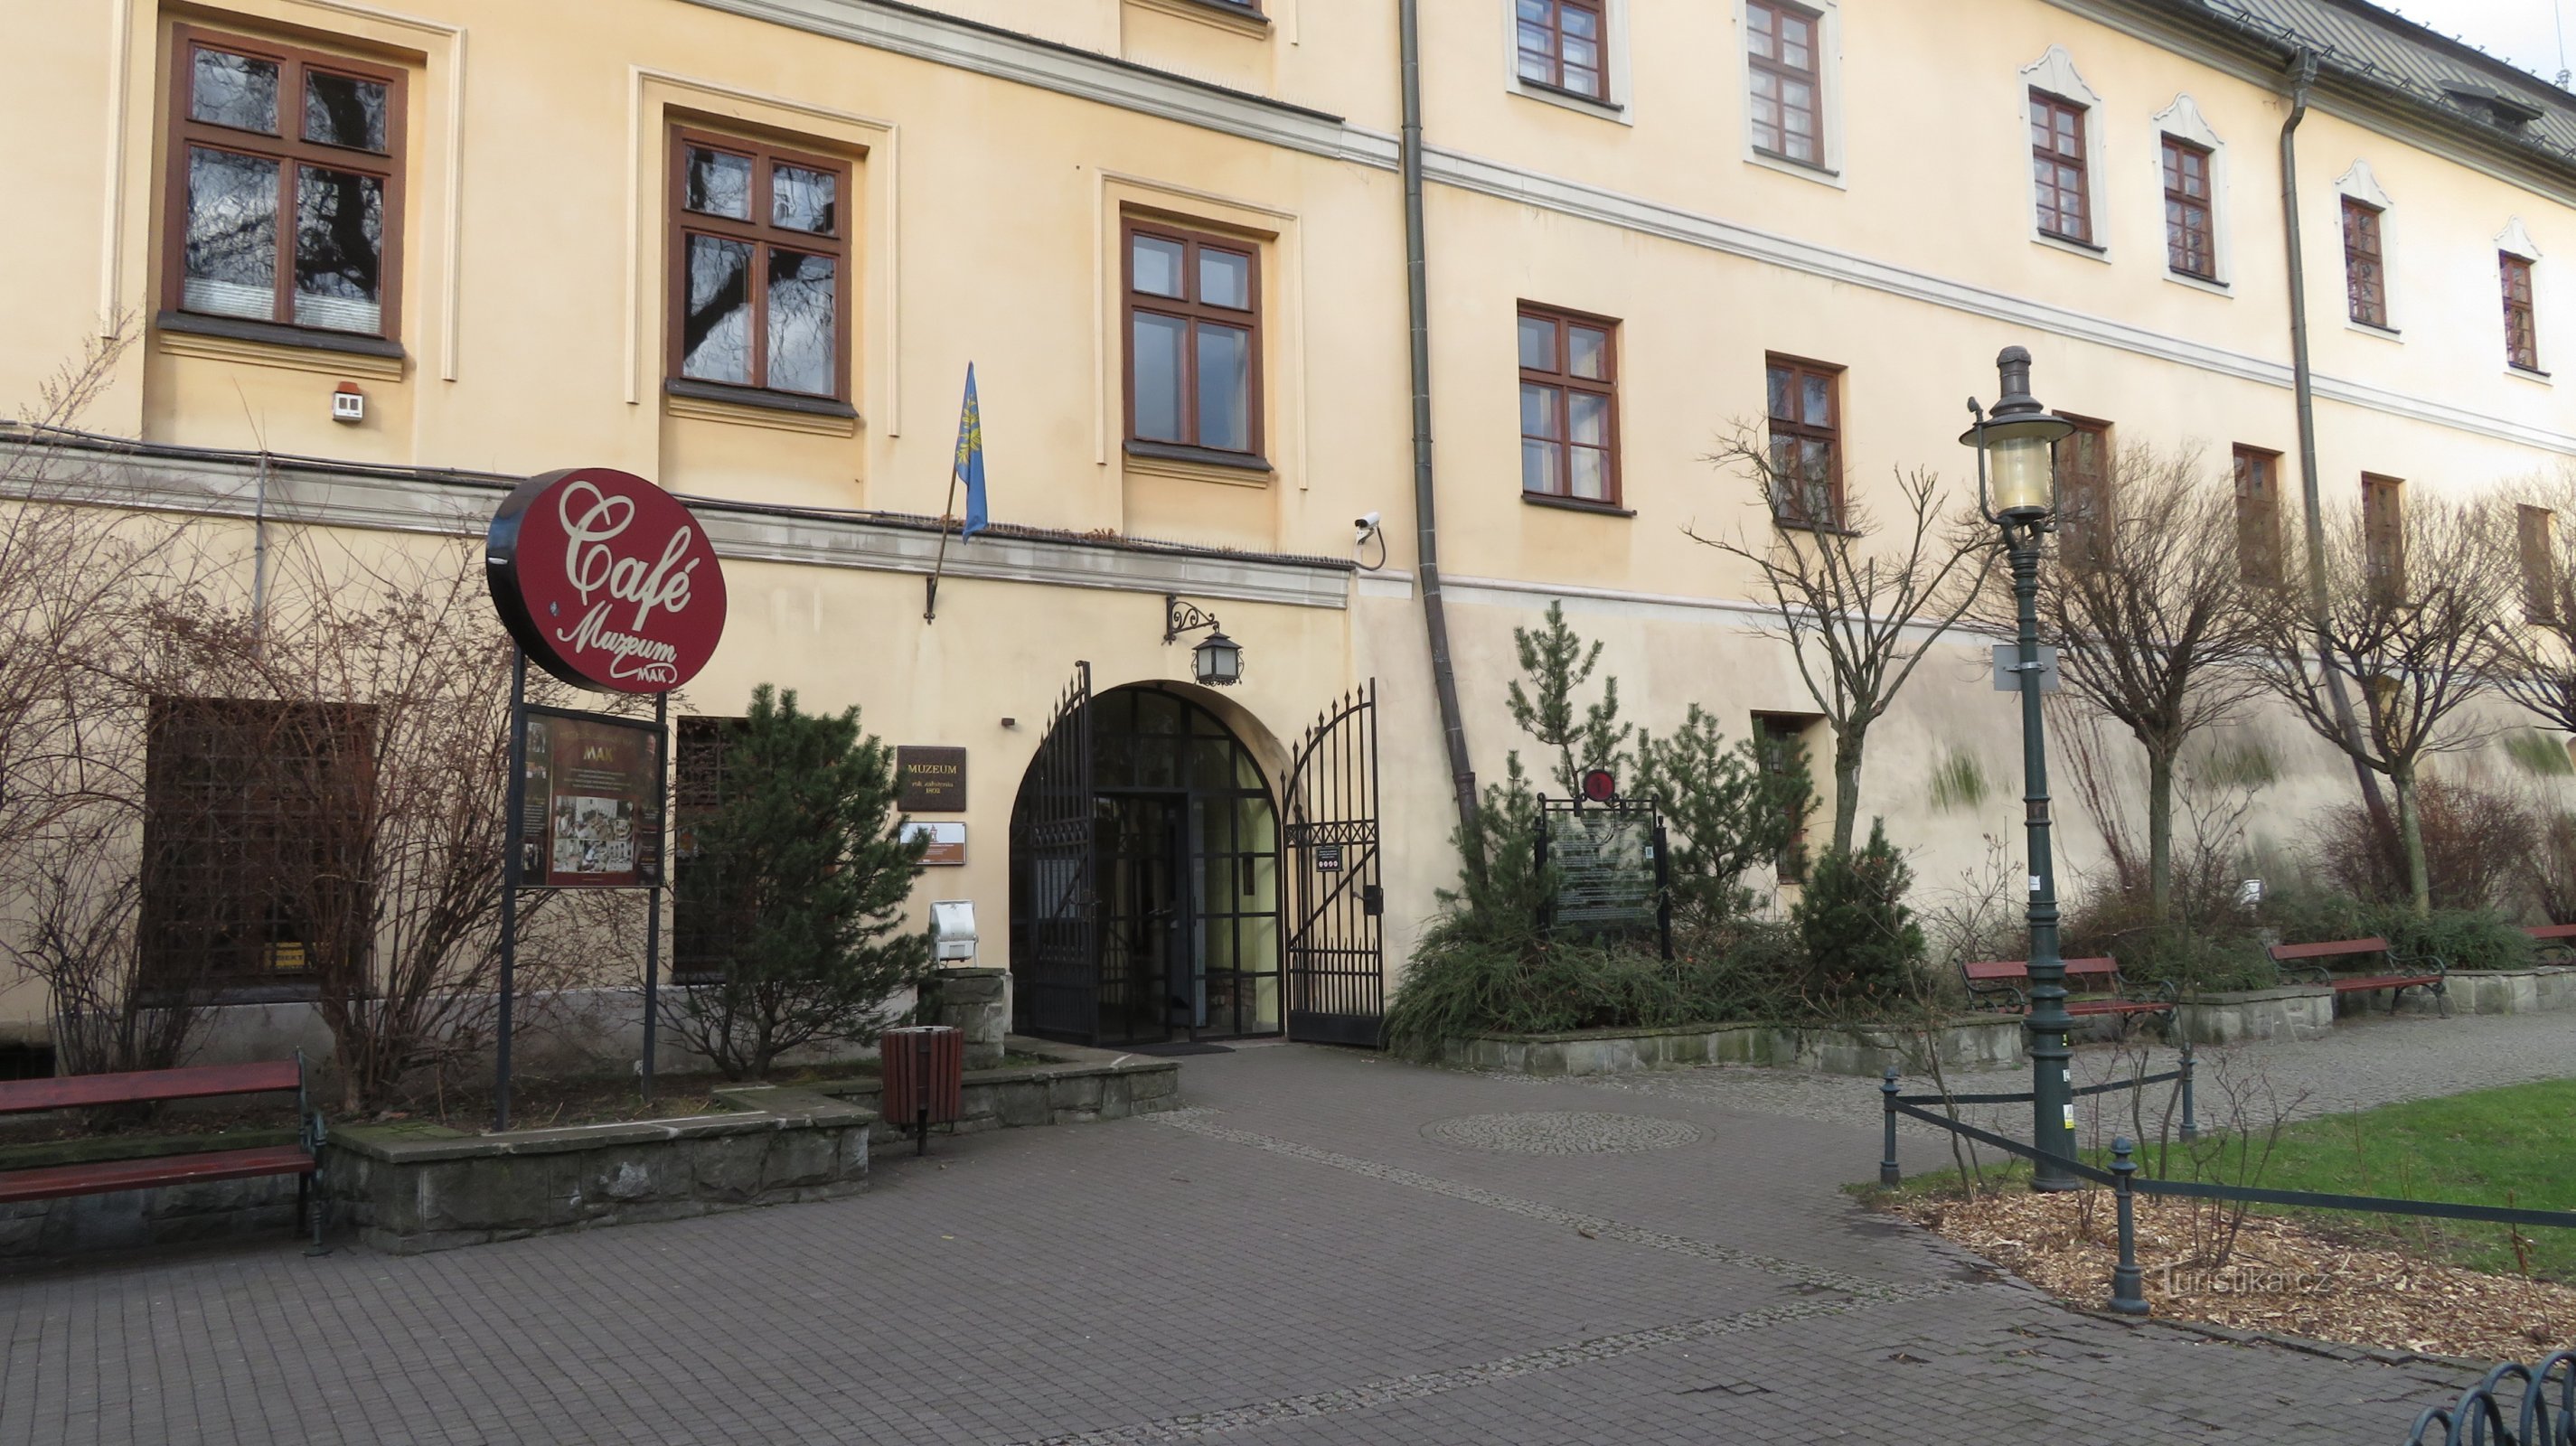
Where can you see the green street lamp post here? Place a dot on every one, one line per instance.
(2016, 445)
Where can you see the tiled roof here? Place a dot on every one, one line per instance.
(2372, 47)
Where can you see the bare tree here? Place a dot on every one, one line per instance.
(1858, 618)
(2411, 615)
(79, 663)
(386, 681)
(2149, 625)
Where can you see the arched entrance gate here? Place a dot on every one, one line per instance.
(1152, 900)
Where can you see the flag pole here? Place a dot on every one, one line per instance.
(930, 596)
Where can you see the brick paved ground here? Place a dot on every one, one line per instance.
(1292, 1260)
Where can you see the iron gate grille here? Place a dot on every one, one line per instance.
(1055, 940)
(1336, 905)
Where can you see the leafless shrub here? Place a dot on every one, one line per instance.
(2480, 847)
(389, 681)
(2413, 610)
(1859, 601)
(2150, 627)
(2235, 1147)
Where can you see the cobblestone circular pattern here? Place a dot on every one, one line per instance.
(1561, 1132)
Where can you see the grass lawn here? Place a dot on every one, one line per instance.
(2510, 1146)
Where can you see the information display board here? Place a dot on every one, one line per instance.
(591, 814)
(1609, 863)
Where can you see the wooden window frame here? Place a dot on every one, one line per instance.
(2536, 543)
(2521, 315)
(291, 151)
(2044, 102)
(761, 235)
(1564, 383)
(2365, 263)
(2190, 219)
(1193, 311)
(2258, 516)
(1781, 71)
(1801, 369)
(1554, 55)
(2092, 539)
(2384, 574)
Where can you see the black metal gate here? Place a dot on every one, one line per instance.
(1336, 953)
(1055, 935)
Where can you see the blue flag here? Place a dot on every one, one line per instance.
(970, 458)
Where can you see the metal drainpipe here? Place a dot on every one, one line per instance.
(1435, 613)
(2303, 74)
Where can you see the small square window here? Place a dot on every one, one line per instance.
(1564, 44)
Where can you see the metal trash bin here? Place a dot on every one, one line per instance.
(925, 1078)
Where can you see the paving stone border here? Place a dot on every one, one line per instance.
(1561, 1132)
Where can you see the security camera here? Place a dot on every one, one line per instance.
(1366, 523)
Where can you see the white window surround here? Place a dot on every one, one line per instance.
(2515, 240)
(2183, 121)
(1614, 69)
(2055, 73)
(1829, 96)
(2362, 184)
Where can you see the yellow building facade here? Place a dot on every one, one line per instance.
(749, 248)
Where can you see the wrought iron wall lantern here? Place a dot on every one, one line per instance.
(1217, 661)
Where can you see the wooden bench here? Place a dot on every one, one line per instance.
(2399, 972)
(184, 1167)
(2557, 942)
(2004, 984)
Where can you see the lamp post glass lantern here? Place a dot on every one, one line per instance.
(2016, 445)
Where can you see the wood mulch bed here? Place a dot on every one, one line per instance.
(2287, 1276)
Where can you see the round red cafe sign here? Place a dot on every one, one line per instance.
(606, 580)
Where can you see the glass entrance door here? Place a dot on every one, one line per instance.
(1187, 841)
(1145, 974)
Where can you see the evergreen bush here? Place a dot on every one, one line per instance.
(1863, 946)
(2460, 938)
(806, 849)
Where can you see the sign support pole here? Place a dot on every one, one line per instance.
(653, 892)
(511, 864)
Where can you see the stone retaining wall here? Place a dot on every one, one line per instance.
(978, 1003)
(130, 1219)
(2290, 1011)
(408, 1192)
(1080, 1085)
(1972, 1043)
(408, 1188)
(2504, 991)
